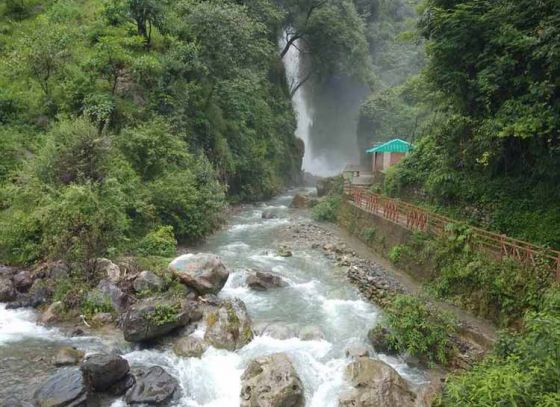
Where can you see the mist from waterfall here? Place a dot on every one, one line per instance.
(332, 143)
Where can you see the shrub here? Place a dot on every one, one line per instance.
(96, 302)
(526, 372)
(326, 210)
(158, 242)
(419, 329)
(395, 253)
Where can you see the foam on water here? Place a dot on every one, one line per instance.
(19, 324)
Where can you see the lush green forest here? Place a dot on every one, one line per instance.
(120, 117)
(486, 114)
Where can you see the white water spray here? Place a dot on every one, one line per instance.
(294, 67)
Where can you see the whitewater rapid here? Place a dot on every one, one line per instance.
(318, 295)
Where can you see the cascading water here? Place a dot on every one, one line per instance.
(331, 143)
(294, 68)
(318, 295)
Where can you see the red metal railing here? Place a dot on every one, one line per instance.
(418, 219)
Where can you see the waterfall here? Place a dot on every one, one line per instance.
(331, 143)
(294, 67)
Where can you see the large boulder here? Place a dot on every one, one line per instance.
(264, 280)
(203, 272)
(154, 386)
(147, 281)
(228, 326)
(66, 388)
(311, 333)
(375, 384)
(103, 370)
(68, 356)
(190, 347)
(271, 381)
(7, 289)
(154, 318)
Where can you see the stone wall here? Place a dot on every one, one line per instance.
(382, 235)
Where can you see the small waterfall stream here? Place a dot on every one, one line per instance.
(318, 295)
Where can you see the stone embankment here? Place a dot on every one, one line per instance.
(379, 285)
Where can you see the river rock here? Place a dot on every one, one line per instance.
(153, 386)
(271, 381)
(68, 356)
(264, 280)
(228, 326)
(7, 289)
(119, 299)
(375, 384)
(102, 370)
(53, 313)
(154, 318)
(147, 281)
(190, 347)
(23, 280)
(284, 251)
(66, 388)
(203, 272)
(108, 270)
(119, 388)
(268, 215)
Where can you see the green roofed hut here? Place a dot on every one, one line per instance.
(387, 154)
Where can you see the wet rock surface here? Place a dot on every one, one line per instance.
(65, 388)
(153, 318)
(204, 272)
(103, 370)
(228, 326)
(153, 387)
(271, 381)
(376, 384)
(190, 347)
(68, 356)
(262, 280)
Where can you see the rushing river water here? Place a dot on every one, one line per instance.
(318, 295)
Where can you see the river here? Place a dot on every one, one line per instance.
(318, 295)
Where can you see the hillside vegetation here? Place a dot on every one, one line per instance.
(487, 106)
(119, 117)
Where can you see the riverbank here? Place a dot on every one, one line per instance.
(379, 281)
(315, 317)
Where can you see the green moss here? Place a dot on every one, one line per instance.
(164, 314)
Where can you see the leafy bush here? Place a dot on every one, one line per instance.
(395, 253)
(96, 302)
(159, 242)
(526, 372)
(326, 210)
(419, 329)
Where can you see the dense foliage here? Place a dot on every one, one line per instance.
(419, 329)
(524, 370)
(121, 117)
(489, 151)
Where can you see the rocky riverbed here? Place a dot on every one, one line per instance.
(268, 296)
